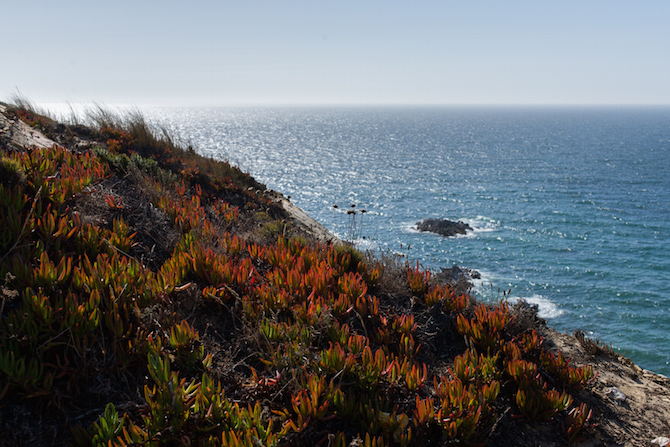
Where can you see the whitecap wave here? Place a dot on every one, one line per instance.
(481, 224)
(410, 228)
(546, 308)
(483, 285)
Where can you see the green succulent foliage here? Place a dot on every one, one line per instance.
(107, 428)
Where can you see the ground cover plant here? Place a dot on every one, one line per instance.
(144, 302)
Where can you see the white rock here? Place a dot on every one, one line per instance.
(615, 394)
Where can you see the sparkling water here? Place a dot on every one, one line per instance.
(570, 206)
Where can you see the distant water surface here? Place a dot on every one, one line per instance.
(571, 206)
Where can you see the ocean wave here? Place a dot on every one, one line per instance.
(480, 224)
(484, 284)
(546, 308)
(484, 288)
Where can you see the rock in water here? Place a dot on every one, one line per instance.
(443, 226)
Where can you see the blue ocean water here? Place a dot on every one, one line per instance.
(571, 206)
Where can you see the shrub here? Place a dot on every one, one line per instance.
(11, 172)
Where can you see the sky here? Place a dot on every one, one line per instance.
(217, 53)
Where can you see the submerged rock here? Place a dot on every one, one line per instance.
(443, 227)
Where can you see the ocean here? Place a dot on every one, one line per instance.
(570, 205)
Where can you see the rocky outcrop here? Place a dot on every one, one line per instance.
(14, 133)
(460, 279)
(455, 273)
(444, 227)
(304, 221)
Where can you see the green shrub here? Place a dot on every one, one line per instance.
(11, 172)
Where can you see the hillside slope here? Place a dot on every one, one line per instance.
(151, 296)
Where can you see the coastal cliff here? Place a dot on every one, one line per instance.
(153, 296)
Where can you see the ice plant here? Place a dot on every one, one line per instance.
(418, 280)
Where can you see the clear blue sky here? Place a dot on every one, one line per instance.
(337, 52)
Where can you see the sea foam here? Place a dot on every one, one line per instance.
(546, 308)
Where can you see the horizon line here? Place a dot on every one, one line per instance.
(125, 104)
